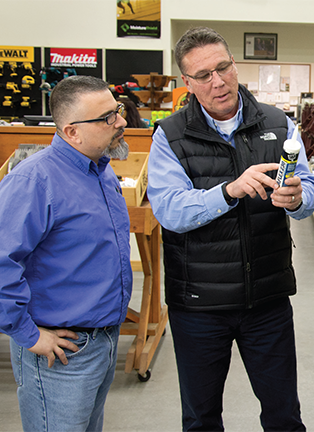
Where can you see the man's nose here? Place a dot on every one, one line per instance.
(217, 80)
(120, 121)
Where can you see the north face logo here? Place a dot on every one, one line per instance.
(268, 136)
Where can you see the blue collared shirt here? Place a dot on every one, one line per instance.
(65, 251)
(179, 207)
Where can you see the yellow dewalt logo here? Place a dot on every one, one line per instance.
(18, 54)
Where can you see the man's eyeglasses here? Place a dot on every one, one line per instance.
(207, 76)
(109, 118)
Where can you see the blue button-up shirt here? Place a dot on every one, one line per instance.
(65, 252)
(179, 207)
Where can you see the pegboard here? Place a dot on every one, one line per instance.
(20, 82)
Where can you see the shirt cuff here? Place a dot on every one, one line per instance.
(229, 200)
(298, 211)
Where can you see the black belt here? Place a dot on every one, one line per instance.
(81, 329)
(77, 329)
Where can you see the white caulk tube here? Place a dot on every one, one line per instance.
(289, 158)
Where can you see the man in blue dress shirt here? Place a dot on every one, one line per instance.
(226, 238)
(66, 278)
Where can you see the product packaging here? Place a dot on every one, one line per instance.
(289, 158)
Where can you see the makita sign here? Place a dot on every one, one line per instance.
(73, 57)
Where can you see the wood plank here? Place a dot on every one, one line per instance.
(130, 328)
(152, 343)
(129, 362)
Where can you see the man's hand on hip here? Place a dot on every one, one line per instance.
(51, 342)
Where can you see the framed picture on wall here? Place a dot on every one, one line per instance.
(260, 46)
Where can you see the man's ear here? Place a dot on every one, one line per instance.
(234, 64)
(187, 83)
(72, 135)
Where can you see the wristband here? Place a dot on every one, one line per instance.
(229, 199)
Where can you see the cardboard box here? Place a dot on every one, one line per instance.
(25, 147)
(4, 168)
(134, 167)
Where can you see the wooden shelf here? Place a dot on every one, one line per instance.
(153, 94)
(159, 81)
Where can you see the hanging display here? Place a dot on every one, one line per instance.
(61, 63)
(139, 18)
(19, 82)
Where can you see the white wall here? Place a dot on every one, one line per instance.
(92, 23)
(241, 10)
(295, 41)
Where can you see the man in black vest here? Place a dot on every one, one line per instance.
(227, 243)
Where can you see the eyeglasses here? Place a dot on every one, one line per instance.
(110, 118)
(207, 76)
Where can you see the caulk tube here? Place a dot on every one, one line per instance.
(289, 158)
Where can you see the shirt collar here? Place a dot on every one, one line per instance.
(239, 120)
(84, 163)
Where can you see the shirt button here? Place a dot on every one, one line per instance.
(198, 223)
(219, 211)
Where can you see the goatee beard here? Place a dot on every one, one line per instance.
(120, 152)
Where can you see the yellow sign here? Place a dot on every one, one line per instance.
(17, 53)
(180, 98)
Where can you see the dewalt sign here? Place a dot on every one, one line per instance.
(17, 53)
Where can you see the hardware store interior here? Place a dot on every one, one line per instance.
(144, 396)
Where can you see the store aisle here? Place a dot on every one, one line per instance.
(154, 406)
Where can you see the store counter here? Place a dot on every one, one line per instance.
(139, 140)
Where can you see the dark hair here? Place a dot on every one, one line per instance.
(195, 38)
(132, 115)
(64, 95)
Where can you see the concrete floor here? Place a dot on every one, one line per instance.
(154, 406)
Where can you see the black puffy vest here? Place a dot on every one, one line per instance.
(242, 258)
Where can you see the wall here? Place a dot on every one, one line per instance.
(241, 10)
(294, 40)
(92, 23)
(67, 23)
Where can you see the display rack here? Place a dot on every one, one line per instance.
(19, 84)
(307, 126)
(152, 92)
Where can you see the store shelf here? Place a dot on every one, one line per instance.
(152, 93)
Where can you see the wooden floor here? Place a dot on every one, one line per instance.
(148, 10)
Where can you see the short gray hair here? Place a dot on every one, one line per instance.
(195, 38)
(64, 95)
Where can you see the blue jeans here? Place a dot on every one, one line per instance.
(265, 337)
(66, 398)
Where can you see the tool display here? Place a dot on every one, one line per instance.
(19, 83)
(29, 67)
(7, 102)
(27, 82)
(13, 67)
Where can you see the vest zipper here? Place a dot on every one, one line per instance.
(248, 281)
(244, 233)
(245, 242)
(246, 141)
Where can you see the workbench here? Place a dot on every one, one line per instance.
(147, 325)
